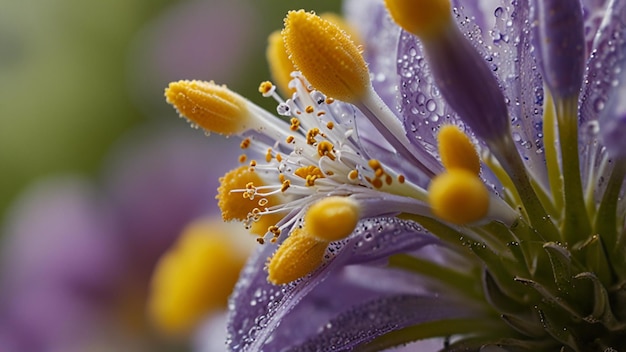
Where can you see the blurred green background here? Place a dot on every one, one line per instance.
(75, 75)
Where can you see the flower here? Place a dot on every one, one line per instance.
(447, 180)
(78, 259)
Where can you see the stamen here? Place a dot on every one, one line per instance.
(296, 257)
(332, 218)
(213, 107)
(458, 196)
(279, 64)
(456, 150)
(346, 71)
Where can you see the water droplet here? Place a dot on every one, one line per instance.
(431, 105)
(499, 11)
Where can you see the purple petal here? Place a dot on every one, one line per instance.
(593, 12)
(613, 120)
(603, 67)
(381, 35)
(516, 68)
(257, 307)
(559, 44)
(375, 318)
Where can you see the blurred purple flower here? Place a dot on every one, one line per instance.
(77, 258)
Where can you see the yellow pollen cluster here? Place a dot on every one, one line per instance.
(425, 18)
(238, 200)
(332, 62)
(310, 173)
(380, 176)
(213, 107)
(331, 219)
(458, 195)
(194, 277)
(326, 148)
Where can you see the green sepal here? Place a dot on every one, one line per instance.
(497, 298)
(549, 297)
(596, 259)
(561, 264)
(601, 304)
(557, 328)
(529, 327)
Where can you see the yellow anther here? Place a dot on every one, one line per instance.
(456, 150)
(296, 257)
(353, 175)
(332, 62)
(424, 18)
(245, 143)
(213, 107)
(309, 170)
(290, 139)
(234, 205)
(311, 134)
(194, 277)
(309, 109)
(285, 185)
(332, 218)
(295, 124)
(279, 63)
(268, 155)
(325, 148)
(265, 87)
(458, 196)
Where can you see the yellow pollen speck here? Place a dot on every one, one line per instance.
(279, 63)
(265, 87)
(332, 218)
(332, 62)
(279, 157)
(245, 143)
(193, 278)
(213, 107)
(285, 185)
(330, 125)
(309, 109)
(456, 150)
(329, 100)
(243, 158)
(290, 139)
(268, 155)
(295, 124)
(297, 256)
(401, 178)
(321, 113)
(458, 196)
(325, 148)
(353, 175)
(425, 18)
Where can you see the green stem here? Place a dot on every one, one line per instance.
(506, 153)
(576, 224)
(552, 158)
(606, 218)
